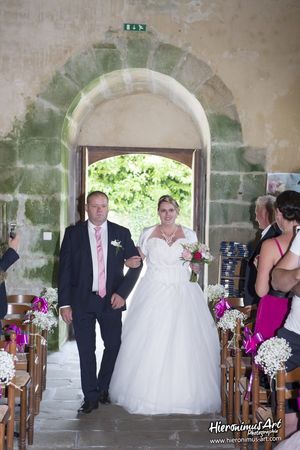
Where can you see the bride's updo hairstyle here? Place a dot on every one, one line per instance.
(288, 203)
(168, 199)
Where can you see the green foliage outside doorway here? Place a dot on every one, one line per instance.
(134, 184)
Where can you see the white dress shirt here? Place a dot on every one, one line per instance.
(93, 244)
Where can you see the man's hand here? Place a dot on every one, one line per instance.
(66, 314)
(14, 243)
(117, 301)
(134, 262)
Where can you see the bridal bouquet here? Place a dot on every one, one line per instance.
(196, 253)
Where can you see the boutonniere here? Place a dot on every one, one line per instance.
(117, 244)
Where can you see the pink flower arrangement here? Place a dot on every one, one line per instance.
(196, 253)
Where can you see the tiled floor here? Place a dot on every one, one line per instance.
(110, 427)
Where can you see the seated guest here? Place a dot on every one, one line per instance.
(265, 216)
(6, 260)
(274, 305)
(286, 277)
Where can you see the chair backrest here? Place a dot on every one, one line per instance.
(10, 348)
(20, 298)
(235, 302)
(284, 392)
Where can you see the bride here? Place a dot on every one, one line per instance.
(169, 357)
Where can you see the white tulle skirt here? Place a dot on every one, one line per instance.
(169, 357)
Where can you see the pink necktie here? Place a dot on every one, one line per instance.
(101, 266)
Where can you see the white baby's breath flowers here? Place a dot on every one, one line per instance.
(229, 319)
(215, 292)
(7, 367)
(44, 321)
(272, 355)
(50, 294)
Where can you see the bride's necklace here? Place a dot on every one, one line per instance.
(168, 238)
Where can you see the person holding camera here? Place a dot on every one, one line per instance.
(9, 257)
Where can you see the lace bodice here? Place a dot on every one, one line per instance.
(163, 262)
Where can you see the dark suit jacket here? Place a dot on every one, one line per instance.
(76, 267)
(251, 272)
(9, 257)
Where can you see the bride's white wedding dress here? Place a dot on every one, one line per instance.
(169, 356)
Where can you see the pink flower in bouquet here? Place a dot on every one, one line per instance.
(187, 255)
(196, 253)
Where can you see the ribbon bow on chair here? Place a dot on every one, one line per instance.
(221, 307)
(40, 304)
(21, 337)
(250, 344)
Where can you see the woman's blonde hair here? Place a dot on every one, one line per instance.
(168, 199)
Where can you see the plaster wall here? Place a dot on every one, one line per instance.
(253, 46)
(142, 126)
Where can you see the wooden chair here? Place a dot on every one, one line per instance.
(20, 298)
(4, 416)
(27, 299)
(28, 373)
(8, 394)
(32, 359)
(18, 387)
(283, 392)
(233, 365)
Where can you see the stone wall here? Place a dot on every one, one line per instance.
(235, 59)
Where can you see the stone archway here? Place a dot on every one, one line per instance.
(39, 158)
(117, 85)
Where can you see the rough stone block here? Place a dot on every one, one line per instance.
(40, 212)
(10, 180)
(40, 151)
(82, 68)
(8, 152)
(42, 121)
(215, 97)
(224, 129)
(233, 158)
(165, 58)
(253, 185)
(60, 91)
(12, 210)
(228, 213)
(138, 51)
(48, 247)
(107, 59)
(224, 187)
(41, 181)
(192, 72)
(46, 272)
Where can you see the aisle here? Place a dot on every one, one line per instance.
(110, 427)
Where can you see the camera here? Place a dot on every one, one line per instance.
(12, 231)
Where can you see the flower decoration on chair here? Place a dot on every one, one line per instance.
(44, 308)
(7, 367)
(196, 253)
(50, 294)
(229, 319)
(215, 292)
(272, 355)
(43, 320)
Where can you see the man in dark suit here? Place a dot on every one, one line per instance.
(6, 260)
(92, 287)
(264, 215)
